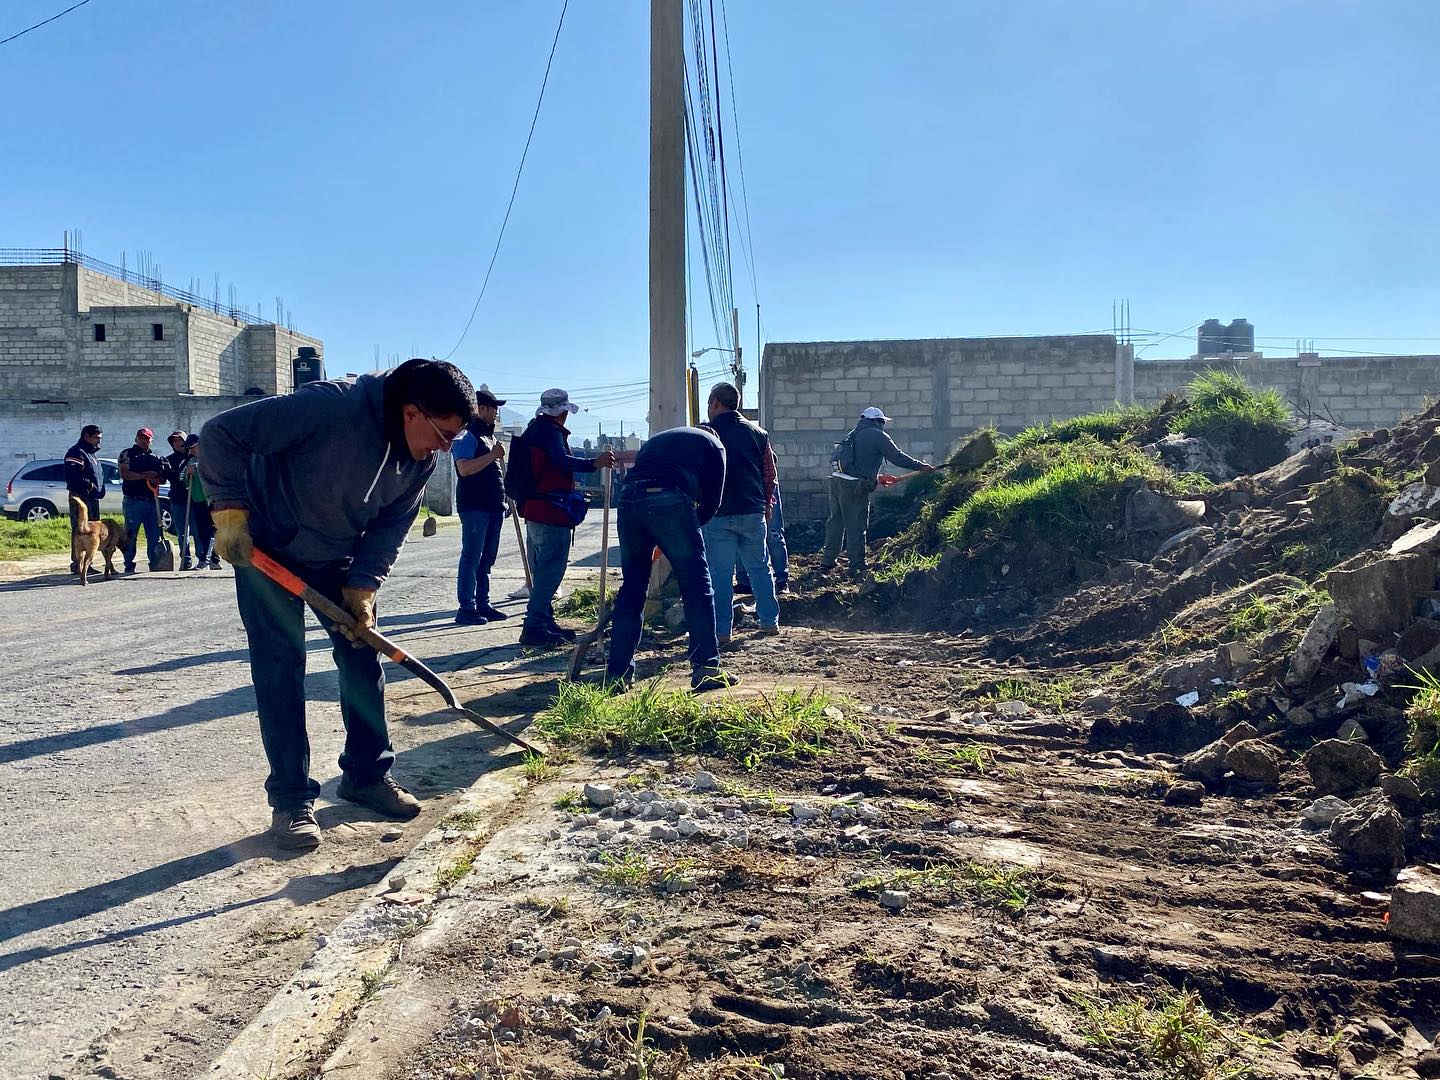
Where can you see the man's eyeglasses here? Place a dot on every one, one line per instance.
(447, 440)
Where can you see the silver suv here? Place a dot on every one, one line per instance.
(37, 492)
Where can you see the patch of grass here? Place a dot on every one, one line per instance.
(276, 937)
(1422, 743)
(572, 802)
(463, 820)
(1052, 694)
(1073, 492)
(583, 603)
(536, 768)
(22, 539)
(969, 756)
(447, 876)
(371, 981)
(907, 563)
(557, 907)
(1263, 613)
(1110, 425)
(789, 725)
(1249, 426)
(626, 872)
(1007, 888)
(1175, 1033)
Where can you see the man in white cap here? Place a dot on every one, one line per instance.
(855, 468)
(541, 479)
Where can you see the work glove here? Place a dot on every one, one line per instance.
(232, 536)
(361, 604)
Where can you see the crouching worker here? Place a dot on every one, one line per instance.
(673, 488)
(326, 480)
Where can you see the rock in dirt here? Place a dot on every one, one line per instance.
(1295, 472)
(1206, 764)
(1310, 654)
(1415, 906)
(1240, 733)
(1403, 792)
(1012, 709)
(1148, 511)
(1379, 594)
(1341, 768)
(1317, 432)
(1185, 793)
(1097, 701)
(1324, 810)
(704, 781)
(1256, 761)
(1422, 636)
(1422, 538)
(600, 794)
(802, 812)
(1351, 731)
(1199, 536)
(1181, 455)
(894, 899)
(1371, 833)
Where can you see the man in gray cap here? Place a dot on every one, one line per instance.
(855, 469)
(541, 479)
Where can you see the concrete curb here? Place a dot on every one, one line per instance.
(311, 1013)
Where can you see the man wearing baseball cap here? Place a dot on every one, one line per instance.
(178, 494)
(543, 486)
(855, 467)
(480, 499)
(141, 474)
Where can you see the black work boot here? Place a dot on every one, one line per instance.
(296, 830)
(385, 797)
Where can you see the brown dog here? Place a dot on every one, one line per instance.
(91, 538)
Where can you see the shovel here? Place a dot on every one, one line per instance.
(520, 594)
(166, 562)
(377, 641)
(602, 616)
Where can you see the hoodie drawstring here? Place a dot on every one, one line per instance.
(378, 471)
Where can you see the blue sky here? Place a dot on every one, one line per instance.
(914, 169)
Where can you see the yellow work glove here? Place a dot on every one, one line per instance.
(232, 536)
(361, 604)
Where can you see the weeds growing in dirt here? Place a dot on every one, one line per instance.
(1422, 744)
(462, 820)
(1008, 888)
(583, 603)
(556, 907)
(1250, 426)
(572, 802)
(626, 872)
(969, 756)
(1263, 613)
(786, 726)
(536, 768)
(1110, 425)
(1177, 1033)
(1052, 694)
(447, 876)
(907, 563)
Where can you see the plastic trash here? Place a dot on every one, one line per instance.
(1191, 698)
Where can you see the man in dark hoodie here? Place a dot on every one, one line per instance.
(855, 469)
(179, 494)
(328, 481)
(84, 477)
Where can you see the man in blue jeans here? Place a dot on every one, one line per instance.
(672, 489)
(737, 532)
(141, 474)
(480, 499)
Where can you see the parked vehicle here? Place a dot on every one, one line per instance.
(37, 492)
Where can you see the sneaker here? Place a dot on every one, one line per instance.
(541, 637)
(467, 616)
(563, 632)
(199, 566)
(385, 797)
(214, 564)
(492, 613)
(769, 631)
(186, 565)
(617, 685)
(782, 588)
(711, 679)
(295, 830)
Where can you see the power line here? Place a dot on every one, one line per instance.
(43, 22)
(511, 204)
(740, 157)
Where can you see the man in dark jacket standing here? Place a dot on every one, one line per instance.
(737, 533)
(673, 488)
(855, 468)
(84, 478)
(480, 499)
(328, 481)
(141, 474)
(179, 494)
(549, 521)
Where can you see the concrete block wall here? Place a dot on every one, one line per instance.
(130, 362)
(36, 317)
(936, 391)
(215, 353)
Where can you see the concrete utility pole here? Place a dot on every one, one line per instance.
(667, 215)
(735, 364)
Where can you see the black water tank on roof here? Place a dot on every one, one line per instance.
(1210, 341)
(308, 366)
(1240, 336)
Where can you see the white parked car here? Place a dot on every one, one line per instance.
(37, 492)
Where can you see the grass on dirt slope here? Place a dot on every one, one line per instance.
(1248, 425)
(21, 539)
(786, 726)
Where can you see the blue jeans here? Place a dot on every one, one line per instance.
(740, 538)
(182, 525)
(140, 512)
(548, 548)
(775, 543)
(275, 626)
(479, 544)
(664, 519)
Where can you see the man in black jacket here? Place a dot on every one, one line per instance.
(673, 488)
(480, 500)
(84, 477)
(179, 495)
(737, 533)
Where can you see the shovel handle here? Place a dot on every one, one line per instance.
(292, 584)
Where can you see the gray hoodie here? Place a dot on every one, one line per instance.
(871, 447)
(324, 482)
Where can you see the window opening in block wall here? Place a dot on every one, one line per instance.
(157, 331)
(99, 331)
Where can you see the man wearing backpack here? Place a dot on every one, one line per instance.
(540, 478)
(856, 467)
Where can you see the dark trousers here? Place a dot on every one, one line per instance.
(181, 525)
(664, 519)
(479, 544)
(275, 626)
(848, 522)
(203, 527)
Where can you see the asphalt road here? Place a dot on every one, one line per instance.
(134, 882)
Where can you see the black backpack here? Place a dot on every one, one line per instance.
(844, 455)
(519, 471)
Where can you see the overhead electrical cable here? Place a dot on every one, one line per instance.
(42, 22)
